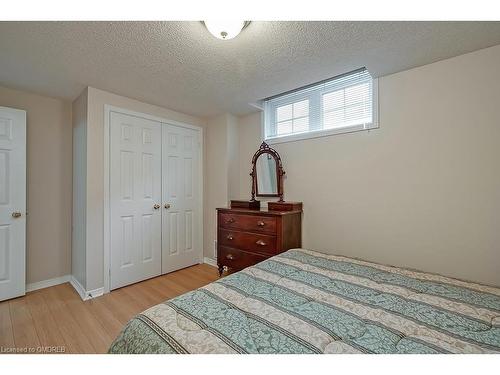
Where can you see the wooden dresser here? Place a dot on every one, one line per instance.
(248, 236)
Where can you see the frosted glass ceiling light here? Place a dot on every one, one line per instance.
(225, 29)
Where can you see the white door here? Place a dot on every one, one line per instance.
(12, 203)
(181, 225)
(135, 199)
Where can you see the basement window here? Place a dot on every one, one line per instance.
(343, 104)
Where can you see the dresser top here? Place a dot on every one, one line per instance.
(260, 212)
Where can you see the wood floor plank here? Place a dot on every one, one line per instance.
(74, 337)
(159, 286)
(46, 327)
(154, 297)
(6, 334)
(155, 291)
(209, 271)
(56, 316)
(123, 306)
(200, 277)
(100, 309)
(171, 287)
(174, 288)
(137, 292)
(91, 327)
(185, 280)
(23, 327)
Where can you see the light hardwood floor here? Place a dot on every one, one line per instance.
(57, 317)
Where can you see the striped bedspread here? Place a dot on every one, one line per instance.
(307, 302)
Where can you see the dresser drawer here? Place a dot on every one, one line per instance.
(252, 223)
(237, 259)
(257, 242)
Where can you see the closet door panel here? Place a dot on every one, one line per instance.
(135, 189)
(181, 246)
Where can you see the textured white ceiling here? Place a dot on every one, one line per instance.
(179, 65)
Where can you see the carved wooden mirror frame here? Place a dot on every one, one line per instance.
(265, 149)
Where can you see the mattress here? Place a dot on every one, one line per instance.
(302, 301)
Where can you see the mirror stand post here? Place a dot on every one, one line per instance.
(253, 185)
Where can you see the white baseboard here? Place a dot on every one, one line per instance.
(78, 287)
(47, 283)
(95, 293)
(210, 261)
(84, 294)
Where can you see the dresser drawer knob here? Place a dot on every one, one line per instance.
(230, 237)
(230, 221)
(261, 223)
(230, 256)
(261, 243)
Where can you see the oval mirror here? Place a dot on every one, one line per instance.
(267, 173)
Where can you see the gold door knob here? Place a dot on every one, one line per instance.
(230, 220)
(261, 243)
(230, 237)
(15, 215)
(230, 256)
(167, 206)
(261, 223)
(156, 206)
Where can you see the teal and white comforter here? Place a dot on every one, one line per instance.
(306, 302)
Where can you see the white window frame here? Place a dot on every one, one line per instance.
(285, 102)
(325, 132)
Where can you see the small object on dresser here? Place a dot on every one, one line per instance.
(251, 205)
(284, 206)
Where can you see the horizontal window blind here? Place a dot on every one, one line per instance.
(342, 102)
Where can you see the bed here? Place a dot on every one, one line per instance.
(303, 301)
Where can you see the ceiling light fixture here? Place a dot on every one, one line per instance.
(225, 29)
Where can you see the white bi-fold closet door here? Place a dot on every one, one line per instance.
(154, 198)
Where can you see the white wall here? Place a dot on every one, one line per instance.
(48, 235)
(216, 168)
(222, 181)
(423, 191)
(233, 157)
(79, 248)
